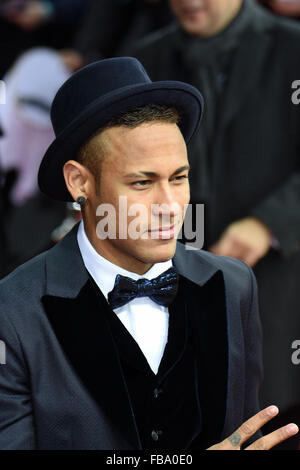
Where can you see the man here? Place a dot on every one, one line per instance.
(118, 342)
(246, 159)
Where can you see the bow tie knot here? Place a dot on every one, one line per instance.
(161, 290)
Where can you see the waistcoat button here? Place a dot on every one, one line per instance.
(157, 392)
(155, 435)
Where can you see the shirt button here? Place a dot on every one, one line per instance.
(155, 435)
(157, 392)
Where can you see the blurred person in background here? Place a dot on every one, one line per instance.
(28, 218)
(28, 23)
(111, 26)
(246, 160)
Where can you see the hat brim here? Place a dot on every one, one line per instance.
(184, 97)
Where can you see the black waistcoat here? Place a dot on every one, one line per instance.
(166, 405)
(193, 370)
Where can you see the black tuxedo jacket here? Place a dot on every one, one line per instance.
(62, 385)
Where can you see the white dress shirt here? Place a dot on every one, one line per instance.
(145, 320)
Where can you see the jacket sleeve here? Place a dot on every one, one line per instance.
(280, 212)
(253, 355)
(16, 411)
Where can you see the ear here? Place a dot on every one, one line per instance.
(78, 178)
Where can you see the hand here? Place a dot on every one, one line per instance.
(247, 239)
(251, 426)
(73, 60)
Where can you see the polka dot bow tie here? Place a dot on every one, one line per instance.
(161, 290)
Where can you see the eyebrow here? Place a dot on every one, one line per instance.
(153, 174)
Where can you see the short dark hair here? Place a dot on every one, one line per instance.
(90, 153)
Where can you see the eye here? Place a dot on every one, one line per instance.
(141, 183)
(179, 178)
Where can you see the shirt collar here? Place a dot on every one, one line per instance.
(103, 271)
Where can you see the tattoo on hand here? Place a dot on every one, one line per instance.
(235, 439)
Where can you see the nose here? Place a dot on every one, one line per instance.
(165, 203)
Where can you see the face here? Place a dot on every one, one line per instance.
(205, 17)
(145, 168)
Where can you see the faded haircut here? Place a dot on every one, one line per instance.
(92, 152)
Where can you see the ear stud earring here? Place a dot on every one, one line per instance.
(81, 200)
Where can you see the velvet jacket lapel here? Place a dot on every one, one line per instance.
(208, 321)
(74, 309)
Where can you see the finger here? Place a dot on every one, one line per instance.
(249, 428)
(237, 251)
(274, 438)
(225, 247)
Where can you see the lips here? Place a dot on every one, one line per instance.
(163, 232)
(163, 229)
(192, 11)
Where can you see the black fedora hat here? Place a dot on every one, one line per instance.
(94, 95)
